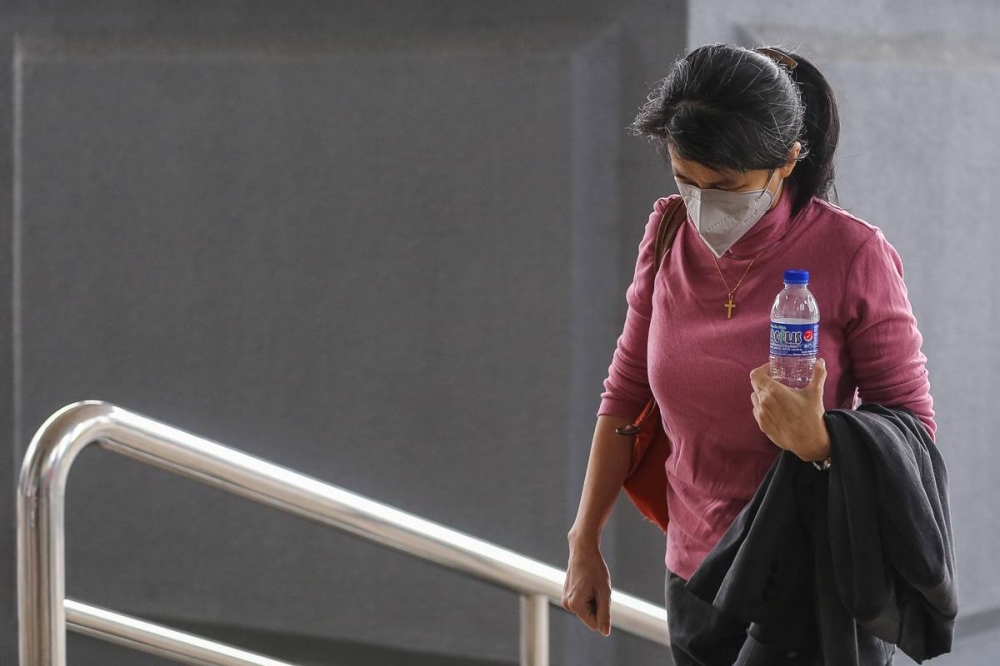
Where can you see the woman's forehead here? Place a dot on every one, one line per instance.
(698, 171)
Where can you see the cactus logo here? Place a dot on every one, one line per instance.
(807, 335)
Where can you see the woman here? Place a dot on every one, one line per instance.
(750, 137)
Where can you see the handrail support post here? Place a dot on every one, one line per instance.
(534, 630)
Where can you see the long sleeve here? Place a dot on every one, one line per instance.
(882, 335)
(626, 388)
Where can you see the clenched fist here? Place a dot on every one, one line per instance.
(587, 590)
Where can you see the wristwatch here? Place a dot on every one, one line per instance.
(822, 464)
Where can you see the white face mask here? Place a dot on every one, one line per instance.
(722, 217)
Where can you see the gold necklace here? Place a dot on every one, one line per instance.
(730, 304)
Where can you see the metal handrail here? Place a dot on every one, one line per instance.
(43, 608)
(154, 639)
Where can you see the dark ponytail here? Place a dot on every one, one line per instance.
(815, 173)
(728, 107)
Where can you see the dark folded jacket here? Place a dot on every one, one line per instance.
(848, 561)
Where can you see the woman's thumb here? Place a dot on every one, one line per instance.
(819, 373)
(604, 616)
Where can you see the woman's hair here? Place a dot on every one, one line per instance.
(728, 107)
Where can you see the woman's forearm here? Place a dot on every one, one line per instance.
(610, 455)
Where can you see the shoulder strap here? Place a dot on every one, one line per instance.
(673, 217)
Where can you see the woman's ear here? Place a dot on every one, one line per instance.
(793, 159)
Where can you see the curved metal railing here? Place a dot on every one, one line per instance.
(44, 612)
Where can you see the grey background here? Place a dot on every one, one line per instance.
(387, 244)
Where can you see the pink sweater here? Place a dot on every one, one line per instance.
(697, 363)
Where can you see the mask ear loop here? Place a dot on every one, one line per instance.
(770, 175)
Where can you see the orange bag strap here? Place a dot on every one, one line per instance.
(673, 217)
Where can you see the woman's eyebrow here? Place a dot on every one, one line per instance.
(724, 181)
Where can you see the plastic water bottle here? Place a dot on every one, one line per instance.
(794, 331)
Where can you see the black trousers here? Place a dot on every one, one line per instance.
(701, 635)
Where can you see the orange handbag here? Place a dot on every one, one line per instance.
(646, 480)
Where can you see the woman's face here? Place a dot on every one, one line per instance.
(700, 176)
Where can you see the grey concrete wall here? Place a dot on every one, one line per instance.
(386, 247)
(10, 460)
(917, 87)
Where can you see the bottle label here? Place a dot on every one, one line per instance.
(794, 339)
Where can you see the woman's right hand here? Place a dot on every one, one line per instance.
(587, 590)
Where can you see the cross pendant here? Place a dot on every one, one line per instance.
(730, 304)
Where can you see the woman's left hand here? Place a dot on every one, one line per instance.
(792, 418)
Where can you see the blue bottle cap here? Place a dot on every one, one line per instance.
(796, 276)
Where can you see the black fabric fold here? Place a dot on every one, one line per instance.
(849, 562)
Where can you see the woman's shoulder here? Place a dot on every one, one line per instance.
(829, 223)
(661, 204)
(655, 216)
